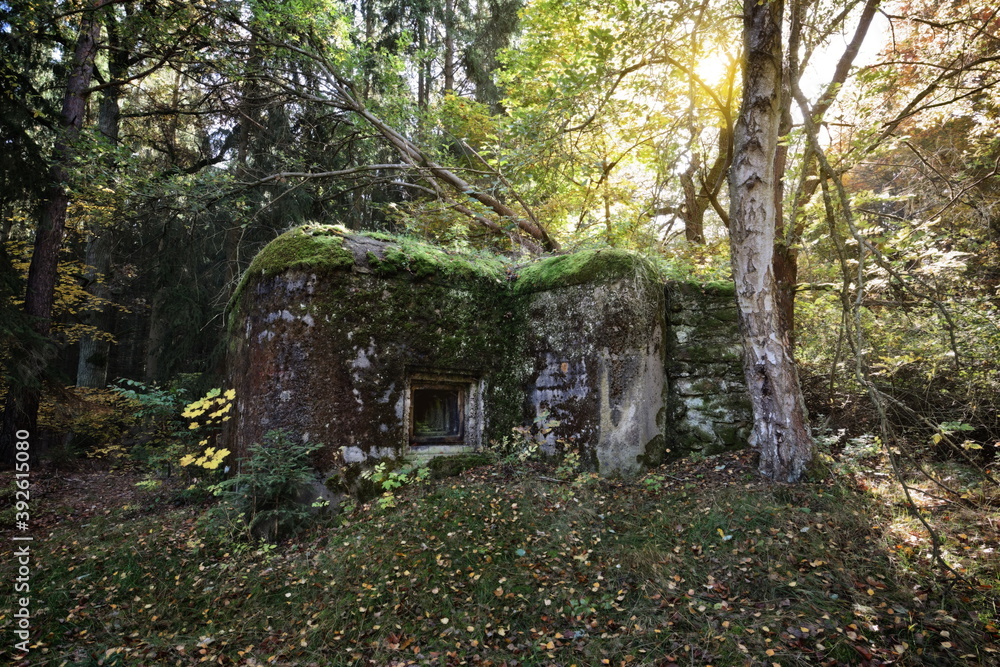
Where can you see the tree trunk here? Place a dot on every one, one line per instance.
(785, 260)
(781, 433)
(159, 327)
(21, 410)
(423, 84)
(789, 231)
(156, 342)
(694, 207)
(449, 46)
(698, 197)
(92, 367)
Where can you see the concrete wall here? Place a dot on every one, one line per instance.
(598, 368)
(330, 331)
(330, 355)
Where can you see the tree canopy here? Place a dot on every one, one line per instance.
(150, 149)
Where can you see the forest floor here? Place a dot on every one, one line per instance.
(700, 562)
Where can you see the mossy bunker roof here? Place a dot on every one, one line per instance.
(324, 249)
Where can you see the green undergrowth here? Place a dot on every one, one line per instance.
(697, 563)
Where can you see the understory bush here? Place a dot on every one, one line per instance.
(268, 497)
(940, 379)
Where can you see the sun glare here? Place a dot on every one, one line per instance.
(713, 68)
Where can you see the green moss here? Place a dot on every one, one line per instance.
(379, 236)
(728, 315)
(317, 248)
(306, 248)
(706, 353)
(327, 249)
(720, 288)
(583, 267)
(474, 326)
(423, 261)
(653, 452)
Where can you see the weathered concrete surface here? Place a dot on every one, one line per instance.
(598, 352)
(330, 331)
(329, 355)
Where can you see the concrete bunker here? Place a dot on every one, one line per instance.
(386, 348)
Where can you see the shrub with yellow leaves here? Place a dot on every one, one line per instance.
(209, 413)
(213, 408)
(209, 460)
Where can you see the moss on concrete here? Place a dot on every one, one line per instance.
(423, 261)
(308, 248)
(587, 266)
(720, 288)
(318, 248)
(417, 310)
(381, 308)
(325, 249)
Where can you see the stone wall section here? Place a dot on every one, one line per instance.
(708, 403)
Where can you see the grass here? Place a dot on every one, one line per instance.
(698, 563)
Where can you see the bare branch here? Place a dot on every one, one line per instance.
(280, 176)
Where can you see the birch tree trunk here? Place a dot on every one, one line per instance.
(781, 434)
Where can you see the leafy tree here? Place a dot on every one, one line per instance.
(21, 409)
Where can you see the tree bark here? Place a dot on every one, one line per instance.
(21, 409)
(156, 341)
(781, 434)
(449, 46)
(698, 196)
(92, 366)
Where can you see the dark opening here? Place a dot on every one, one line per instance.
(436, 414)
